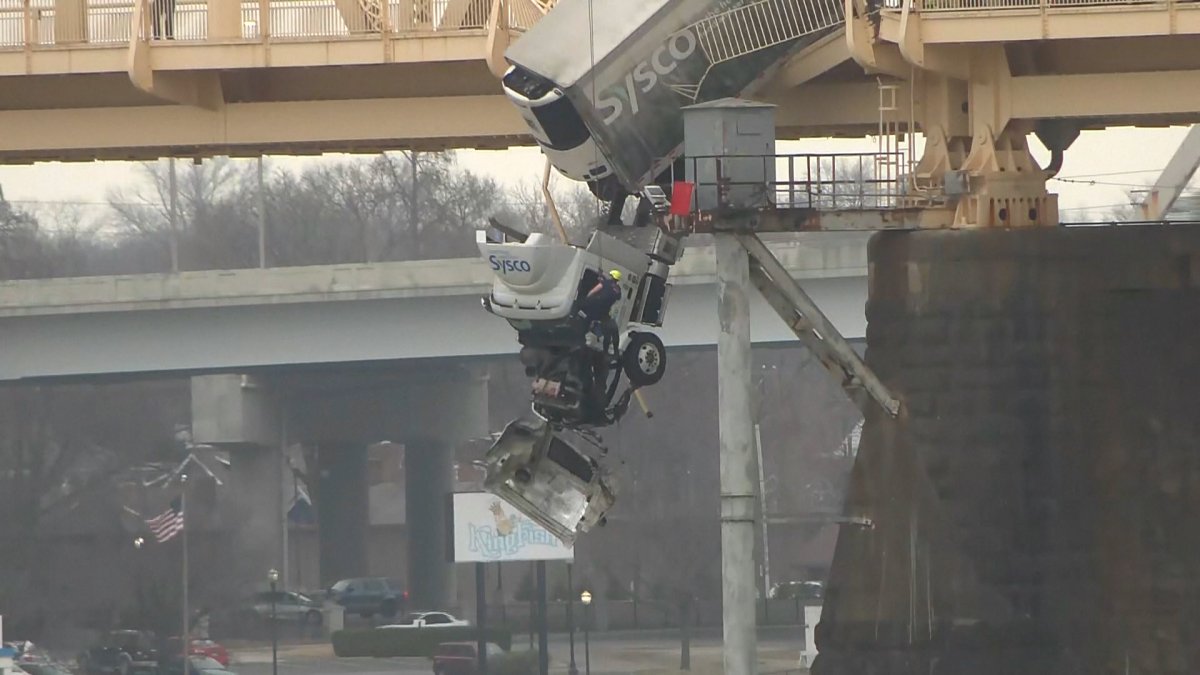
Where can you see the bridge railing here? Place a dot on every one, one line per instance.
(40, 24)
(935, 6)
(824, 182)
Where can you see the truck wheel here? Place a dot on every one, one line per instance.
(645, 359)
(388, 610)
(312, 618)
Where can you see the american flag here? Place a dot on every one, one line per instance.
(168, 523)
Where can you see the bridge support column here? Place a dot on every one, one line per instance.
(239, 414)
(1030, 507)
(738, 493)
(429, 479)
(451, 411)
(342, 510)
(432, 410)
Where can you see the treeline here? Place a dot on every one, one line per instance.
(395, 206)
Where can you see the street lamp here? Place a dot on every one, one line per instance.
(586, 598)
(572, 669)
(273, 577)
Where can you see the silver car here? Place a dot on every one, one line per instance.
(288, 606)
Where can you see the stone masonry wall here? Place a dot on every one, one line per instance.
(1034, 509)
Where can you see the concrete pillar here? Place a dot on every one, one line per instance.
(447, 412)
(255, 509)
(431, 410)
(342, 510)
(239, 414)
(429, 478)
(737, 456)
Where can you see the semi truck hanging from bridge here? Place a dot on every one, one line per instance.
(602, 85)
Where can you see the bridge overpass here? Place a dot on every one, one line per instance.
(226, 321)
(111, 79)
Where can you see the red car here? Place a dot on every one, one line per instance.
(201, 647)
(211, 649)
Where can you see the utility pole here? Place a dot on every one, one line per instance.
(187, 643)
(737, 456)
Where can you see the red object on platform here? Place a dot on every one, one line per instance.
(681, 198)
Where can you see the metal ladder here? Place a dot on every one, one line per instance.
(889, 160)
(814, 329)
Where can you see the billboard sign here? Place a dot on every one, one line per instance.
(488, 529)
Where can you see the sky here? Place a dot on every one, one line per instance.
(1097, 172)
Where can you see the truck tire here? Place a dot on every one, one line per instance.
(645, 359)
(312, 618)
(388, 609)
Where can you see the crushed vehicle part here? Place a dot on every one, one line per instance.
(535, 468)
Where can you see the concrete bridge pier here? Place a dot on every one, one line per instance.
(241, 414)
(1031, 510)
(343, 514)
(431, 411)
(429, 477)
(447, 413)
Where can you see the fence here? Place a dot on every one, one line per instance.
(1048, 5)
(828, 182)
(36, 23)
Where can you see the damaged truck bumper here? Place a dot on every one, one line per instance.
(542, 474)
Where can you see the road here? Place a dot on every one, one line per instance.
(609, 656)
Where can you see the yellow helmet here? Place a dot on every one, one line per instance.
(615, 274)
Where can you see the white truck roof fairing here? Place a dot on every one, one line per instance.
(540, 275)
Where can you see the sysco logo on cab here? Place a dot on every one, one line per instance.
(506, 265)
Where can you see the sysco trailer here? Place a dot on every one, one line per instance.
(602, 83)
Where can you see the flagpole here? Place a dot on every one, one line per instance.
(183, 517)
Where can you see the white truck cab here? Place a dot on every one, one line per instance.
(542, 279)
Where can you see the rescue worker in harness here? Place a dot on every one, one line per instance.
(600, 339)
(597, 304)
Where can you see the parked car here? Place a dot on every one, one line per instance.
(101, 660)
(460, 658)
(199, 647)
(121, 652)
(421, 619)
(369, 596)
(288, 606)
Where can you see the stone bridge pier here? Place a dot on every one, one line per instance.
(1033, 509)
